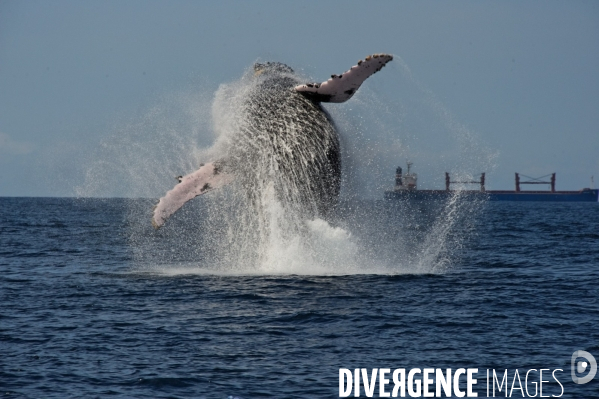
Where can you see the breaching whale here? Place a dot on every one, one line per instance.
(286, 131)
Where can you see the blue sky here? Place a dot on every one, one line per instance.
(519, 79)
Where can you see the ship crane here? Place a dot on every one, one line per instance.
(535, 180)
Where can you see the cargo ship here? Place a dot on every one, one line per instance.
(406, 186)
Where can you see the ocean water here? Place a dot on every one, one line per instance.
(95, 304)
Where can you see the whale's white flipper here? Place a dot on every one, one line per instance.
(341, 88)
(207, 178)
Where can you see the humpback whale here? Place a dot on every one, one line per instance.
(286, 141)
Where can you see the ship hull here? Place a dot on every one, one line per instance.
(585, 195)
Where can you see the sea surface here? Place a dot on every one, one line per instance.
(92, 305)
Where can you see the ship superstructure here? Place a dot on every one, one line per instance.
(408, 181)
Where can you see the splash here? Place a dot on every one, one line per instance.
(268, 231)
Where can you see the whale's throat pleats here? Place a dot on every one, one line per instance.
(288, 142)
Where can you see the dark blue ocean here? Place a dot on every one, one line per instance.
(94, 303)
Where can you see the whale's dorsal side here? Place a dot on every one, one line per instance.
(341, 88)
(207, 178)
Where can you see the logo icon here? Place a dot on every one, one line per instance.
(581, 366)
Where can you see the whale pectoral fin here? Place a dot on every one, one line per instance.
(209, 177)
(341, 88)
